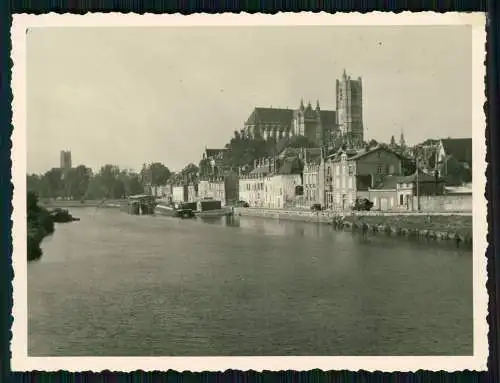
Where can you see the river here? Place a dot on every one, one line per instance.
(120, 285)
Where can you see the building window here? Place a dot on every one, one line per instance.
(401, 199)
(350, 170)
(374, 202)
(379, 169)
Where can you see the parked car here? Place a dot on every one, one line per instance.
(316, 207)
(242, 204)
(362, 204)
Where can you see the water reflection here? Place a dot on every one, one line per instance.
(115, 284)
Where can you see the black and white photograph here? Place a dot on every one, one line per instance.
(289, 191)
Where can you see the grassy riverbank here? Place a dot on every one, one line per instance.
(40, 225)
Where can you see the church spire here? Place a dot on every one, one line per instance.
(317, 105)
(301, 103)
(402, 141)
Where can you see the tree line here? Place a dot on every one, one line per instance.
(81, 183)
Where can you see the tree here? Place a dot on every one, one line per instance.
(134, 185)
(77, 181)
(159, 174)
(372, 143)
(408, 166)
(155, 174)
(453, 172)
(33, 183)
(204, 166)
(131, 182)
(54, 183)
(190, 173)
(108, 183)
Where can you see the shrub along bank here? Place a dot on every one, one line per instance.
(40, 225)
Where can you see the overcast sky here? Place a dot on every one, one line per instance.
(127, 96)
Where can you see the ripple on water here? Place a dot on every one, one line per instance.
(115, 284)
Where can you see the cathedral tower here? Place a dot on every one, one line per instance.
(350, 110)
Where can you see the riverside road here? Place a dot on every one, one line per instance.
(121, 285)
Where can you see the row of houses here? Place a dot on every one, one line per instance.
(336, 181)
(301, 178)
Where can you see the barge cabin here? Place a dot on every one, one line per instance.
(141, 204)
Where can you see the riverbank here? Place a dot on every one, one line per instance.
(454, 227)
(40, 225)
(65, 204)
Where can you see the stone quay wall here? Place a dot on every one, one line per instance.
(445, 203)
(431, 226)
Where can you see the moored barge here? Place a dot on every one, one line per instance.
(184, 210)
(212, 208)
(141, 204)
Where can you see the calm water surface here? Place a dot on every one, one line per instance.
(120, 285)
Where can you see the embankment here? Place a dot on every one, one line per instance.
(453, 227)
(40, 225)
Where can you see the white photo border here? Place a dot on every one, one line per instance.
(22, 362)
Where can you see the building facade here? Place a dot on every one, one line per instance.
(322, 127)
(192, 192)
(349, 172)
(273, 184)
(252, 186)
(162, 191)
(315, 124)
(223, 188)
(311, 183)
(403, 192)
(179, 193)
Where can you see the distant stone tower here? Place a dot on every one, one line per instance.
(350, 110)
(65, 160)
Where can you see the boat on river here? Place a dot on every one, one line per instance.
(182, 210)
(141, 204)
(209, 207)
